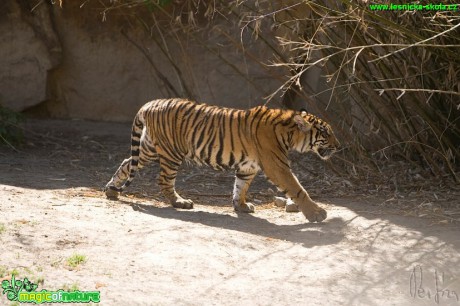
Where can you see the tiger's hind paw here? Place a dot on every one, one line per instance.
(182, 203)
(111, 193)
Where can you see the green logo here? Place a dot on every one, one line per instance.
(24, 292)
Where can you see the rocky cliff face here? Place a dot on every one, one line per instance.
(73, 62)
(29, 48)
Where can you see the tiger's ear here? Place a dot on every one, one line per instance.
(303, 125)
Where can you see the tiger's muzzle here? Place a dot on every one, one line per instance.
(327, 152)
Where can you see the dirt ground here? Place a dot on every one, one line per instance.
(377, 246)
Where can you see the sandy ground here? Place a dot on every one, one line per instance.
(141, 251)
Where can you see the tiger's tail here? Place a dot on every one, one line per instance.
(136, 134)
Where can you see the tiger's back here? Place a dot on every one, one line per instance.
(171, 131)
(222, 138)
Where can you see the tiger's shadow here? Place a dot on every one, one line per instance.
(332, 231)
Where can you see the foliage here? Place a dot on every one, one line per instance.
(392, 75)
(10, 133)
(390, 78)
(76, 260)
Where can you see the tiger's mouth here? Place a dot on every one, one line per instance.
(325, 153)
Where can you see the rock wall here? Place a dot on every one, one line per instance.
(68, 63)
(29, 48)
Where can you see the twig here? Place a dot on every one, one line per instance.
(36, 5)
(447, 92)
(266, 15)
(444, 216)
(417, 43)
(9, 144)
(160, 75)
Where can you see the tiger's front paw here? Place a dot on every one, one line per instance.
(182, 203)
(315, 214)
(245, 207)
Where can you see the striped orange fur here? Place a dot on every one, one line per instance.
(171, 131)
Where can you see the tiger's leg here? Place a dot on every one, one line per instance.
(167, 179)
(118, 179)
(285, 180)
(147, 154)
(242, 182)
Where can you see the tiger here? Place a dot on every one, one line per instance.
(171, 131)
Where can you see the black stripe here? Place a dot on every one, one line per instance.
(303, 145)
(275, 117)
(169, 164)
(281, 160)
(230, 131)
(222, 129)
(254, 117)
(135, 152)
(196, 127)
(231, 162)
(169, 177)
(242, 122)
(168, 148)
(260, 120)
(299, 193)
(116, 189)
(201, 137)
(186, 117)
(244, 176)
(210, 149)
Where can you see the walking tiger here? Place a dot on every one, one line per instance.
(171, 131)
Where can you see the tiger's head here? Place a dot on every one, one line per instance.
(315, 135)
